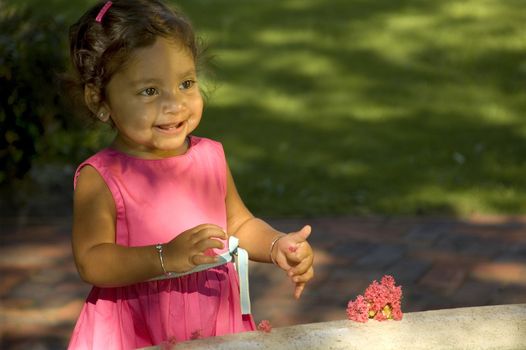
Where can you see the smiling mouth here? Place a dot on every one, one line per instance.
(170, 127)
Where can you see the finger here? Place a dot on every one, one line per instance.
(209, 229)
(298, 290)
(301, 235)
(283, 264)
(306, 277)
(301, 268)
(208, 243)
(210, 232)
(302, 258)
(297, 252)
(200, 259)
(206, 226)
(292, 258)
(303, 250)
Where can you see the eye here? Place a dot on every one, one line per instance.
(149, 92)
(187, 84)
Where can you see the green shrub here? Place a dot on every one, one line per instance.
(32, 53)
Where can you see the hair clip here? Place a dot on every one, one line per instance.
(103, 11)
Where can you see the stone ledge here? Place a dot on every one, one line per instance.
(485, 327)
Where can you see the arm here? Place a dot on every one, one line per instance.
(241, 223)
(100, 261)
(292, 252)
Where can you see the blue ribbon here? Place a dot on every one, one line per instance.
(240, 257)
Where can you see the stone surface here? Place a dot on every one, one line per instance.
(482, 328)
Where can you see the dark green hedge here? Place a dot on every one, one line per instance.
(32, 55)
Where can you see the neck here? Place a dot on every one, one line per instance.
(121, 145)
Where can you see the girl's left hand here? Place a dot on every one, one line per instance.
(294, 254)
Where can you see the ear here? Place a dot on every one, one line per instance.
(92, 97)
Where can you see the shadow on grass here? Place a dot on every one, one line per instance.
(325, 123)
(337, 171)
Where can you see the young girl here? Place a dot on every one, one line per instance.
(155, 213)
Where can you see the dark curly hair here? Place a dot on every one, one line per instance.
(99, 49)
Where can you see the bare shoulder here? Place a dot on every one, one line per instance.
(91, 187)
(93, 208)
(89, 178)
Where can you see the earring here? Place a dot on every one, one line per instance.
(101, 115)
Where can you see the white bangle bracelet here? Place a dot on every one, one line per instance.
(159, 248)
(274, 241)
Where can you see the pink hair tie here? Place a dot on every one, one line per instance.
(103, 11)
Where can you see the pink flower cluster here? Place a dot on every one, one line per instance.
(381, 301)
(172, 341)
(196, 335)
(265, 326)
(169, 343)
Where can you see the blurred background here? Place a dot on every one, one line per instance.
(343, 108)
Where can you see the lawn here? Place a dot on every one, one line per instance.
(355, 107)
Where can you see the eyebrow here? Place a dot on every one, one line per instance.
(145, 81)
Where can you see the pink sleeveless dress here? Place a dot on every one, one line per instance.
(155, 201)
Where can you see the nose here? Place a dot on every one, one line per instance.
(173, 103)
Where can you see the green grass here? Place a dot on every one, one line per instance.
(366, 107)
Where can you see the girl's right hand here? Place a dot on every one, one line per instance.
(189, 249)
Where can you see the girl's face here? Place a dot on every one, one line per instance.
(154, 101)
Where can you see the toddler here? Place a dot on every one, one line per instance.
(157, 217)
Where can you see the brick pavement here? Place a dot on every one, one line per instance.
(440, 262)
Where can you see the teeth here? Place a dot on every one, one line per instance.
(170, 126)
(167, 127)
